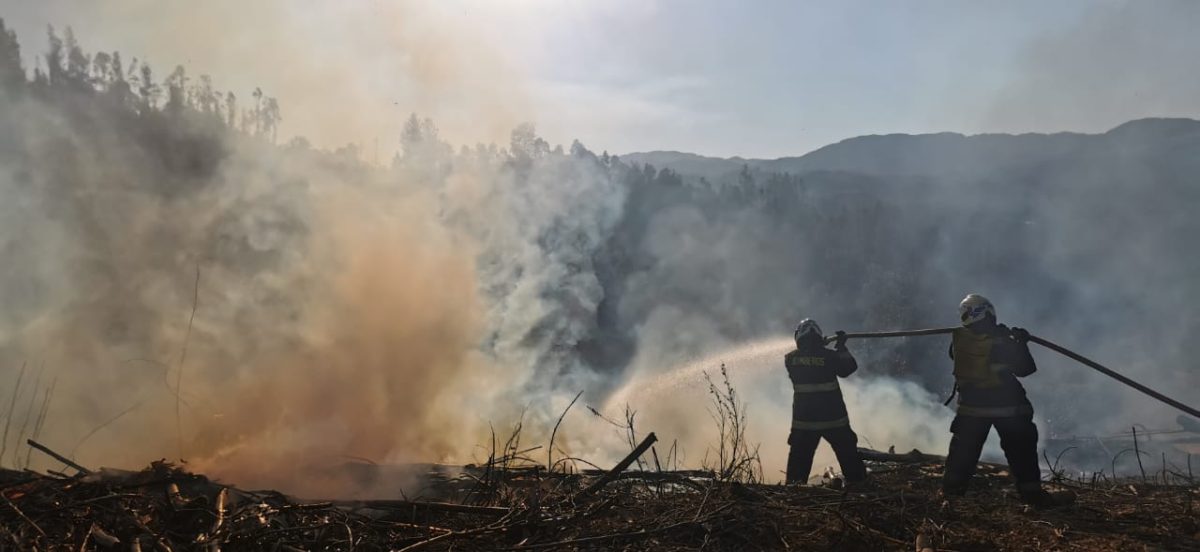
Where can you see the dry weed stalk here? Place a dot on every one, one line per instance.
(736, 460)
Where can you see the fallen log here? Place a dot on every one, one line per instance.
(912, 456)
(620, 467)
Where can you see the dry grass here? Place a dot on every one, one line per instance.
(513, 502)
(523, 507)
(735, 459)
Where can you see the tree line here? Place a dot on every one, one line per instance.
(65, 70)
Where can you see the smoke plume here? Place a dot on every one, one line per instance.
(404, 312)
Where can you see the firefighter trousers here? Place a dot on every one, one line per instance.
(1018, 439)
(804, 443)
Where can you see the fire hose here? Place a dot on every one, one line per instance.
(1049, 345)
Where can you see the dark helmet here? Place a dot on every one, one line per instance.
(808, 326)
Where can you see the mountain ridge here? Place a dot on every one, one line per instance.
(953, 154)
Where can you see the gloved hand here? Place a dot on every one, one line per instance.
(841, 339)
(1020, 334)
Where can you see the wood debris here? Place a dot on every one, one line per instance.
(525, 508)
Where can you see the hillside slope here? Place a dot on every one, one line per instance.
(940, 155)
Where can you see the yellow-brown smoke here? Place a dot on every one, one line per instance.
(348, 325)
(389, 371)
(375, 357)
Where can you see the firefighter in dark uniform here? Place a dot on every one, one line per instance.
(818, 410)
(988, 359)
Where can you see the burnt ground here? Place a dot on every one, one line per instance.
(523, 508)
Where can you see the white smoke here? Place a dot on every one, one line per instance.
(394, 313)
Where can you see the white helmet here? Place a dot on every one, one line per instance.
(808, 326)
(974, 308)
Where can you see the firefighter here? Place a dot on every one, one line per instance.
(818, 410)
(988, 359)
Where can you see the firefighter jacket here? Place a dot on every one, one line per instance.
(816, 397)
(987, 363)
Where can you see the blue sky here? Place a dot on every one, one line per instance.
(757, 79)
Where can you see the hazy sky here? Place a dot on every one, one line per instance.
(760, 79)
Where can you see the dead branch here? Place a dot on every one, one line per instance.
(23, 516)
(58, 456)
(620, 467)
(12, 405)
(550, 449)
(41, 418)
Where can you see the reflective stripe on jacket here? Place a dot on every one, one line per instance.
(844, 421)
(816, 396)
(996, 411)
(815, 387)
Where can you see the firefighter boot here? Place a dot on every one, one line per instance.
(1034, 495)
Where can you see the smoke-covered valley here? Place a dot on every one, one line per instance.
(180, 282)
